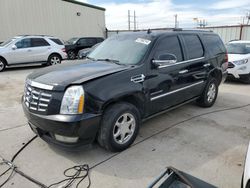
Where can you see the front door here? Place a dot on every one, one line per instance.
(22, 53)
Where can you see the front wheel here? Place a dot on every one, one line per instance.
(2, 64)
(119, 127)
(54, 59)
(209, 95)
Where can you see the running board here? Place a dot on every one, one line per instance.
(169, 109)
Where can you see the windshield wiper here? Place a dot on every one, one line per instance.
(93, 59)
(107, 60)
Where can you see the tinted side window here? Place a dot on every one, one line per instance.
(214, 44)
(82, 42)
(98, 40)
(36, 42)
(24, 43)
(91, 41)
(194, 47)
(57, 41)
(169, 45)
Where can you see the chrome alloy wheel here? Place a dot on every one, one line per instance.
(124, 128)
(1, 65)
(211, 93)
(55, 60)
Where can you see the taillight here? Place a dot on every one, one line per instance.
(64, 50)
(226, 62)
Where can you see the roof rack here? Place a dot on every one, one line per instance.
(201, 30)
(35, 35)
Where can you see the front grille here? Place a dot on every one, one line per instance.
(230, 65)
(36, 99)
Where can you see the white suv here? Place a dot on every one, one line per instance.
(239, 60)
(28, 49)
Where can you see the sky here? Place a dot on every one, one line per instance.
(160, 13)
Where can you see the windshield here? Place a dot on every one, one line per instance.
(72, 41)
(121, 48)
(238, 48)
(6, 42)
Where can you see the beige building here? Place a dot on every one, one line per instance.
(60, 18)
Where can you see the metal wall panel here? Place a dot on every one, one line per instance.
(49, 17)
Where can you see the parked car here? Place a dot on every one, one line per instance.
(126, 79)
(31, 49)
(245, 183)
(239, 60)
(84, 52)
(75, 44)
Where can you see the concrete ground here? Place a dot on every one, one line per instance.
(211, 147)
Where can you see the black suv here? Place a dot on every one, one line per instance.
(74, 45)
(126, 79)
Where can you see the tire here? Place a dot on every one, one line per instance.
(209, 95)
(54, 59)
(246, 80)
(72, 55)
(2, 64)
(117, 134)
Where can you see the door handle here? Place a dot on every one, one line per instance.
(29, 50)
(183, 71)
(207, 65)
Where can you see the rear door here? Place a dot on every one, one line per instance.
(40, 49)
(196, 64)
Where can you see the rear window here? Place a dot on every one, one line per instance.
(57, 41)
(193, 45)
(36, 42)
(214, 44)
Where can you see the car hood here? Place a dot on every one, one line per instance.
(237, 57)
(60, 76)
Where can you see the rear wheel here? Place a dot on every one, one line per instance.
(209, 95)
(2, 64)
(119, 127)
(72, 55)
(54, 59)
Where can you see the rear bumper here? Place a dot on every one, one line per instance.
(224, 76)
(83, 127)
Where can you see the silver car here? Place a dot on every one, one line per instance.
(28, 49)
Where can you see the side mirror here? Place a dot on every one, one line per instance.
(14, 47)
(78, 43)
(164, 60)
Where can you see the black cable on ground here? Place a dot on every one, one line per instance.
(12, 160)
(85, 168)
(22, 148)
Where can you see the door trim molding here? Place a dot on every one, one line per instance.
(177, 90)
(182, 62)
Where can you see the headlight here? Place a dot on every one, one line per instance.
(240, 62)
(73, 101)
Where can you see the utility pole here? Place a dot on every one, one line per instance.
(248, 17)
(176, 21)
(129, 20)
(134, 21)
